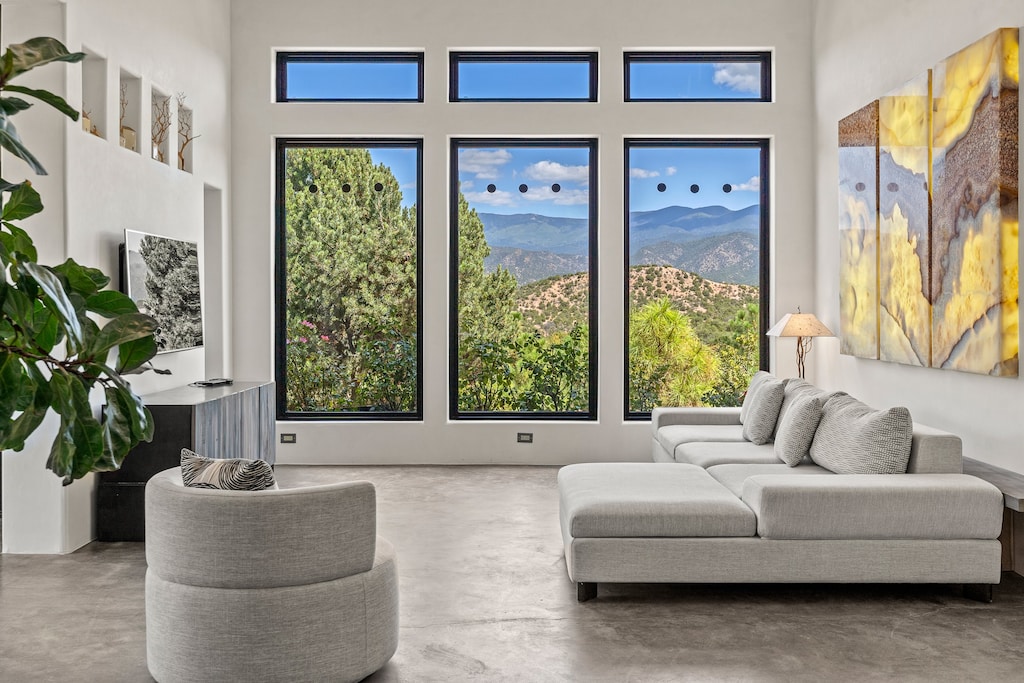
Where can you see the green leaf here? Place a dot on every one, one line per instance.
(18, 307)
(12, 105)
(24, 202)
(54, 291)
(37, 52)
(141, 419)
(133, 354)
(122, 329)
(6, 186)
(32, 416)
(117, 430)
(110, 304)
(87, 432)
(20, 242)
(62, 452)
(11, 373)
(10, 141)
(81, 279)
(55, 101)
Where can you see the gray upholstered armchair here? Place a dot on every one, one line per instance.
(276, 585)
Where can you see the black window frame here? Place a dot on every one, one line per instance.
(282, 144)
(763, 57)
(454, 413)
(457, 57)
(764, 244)
(284, 58)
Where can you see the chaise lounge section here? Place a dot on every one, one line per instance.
(734, 511)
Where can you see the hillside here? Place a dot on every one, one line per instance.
(552, 304)
(722, 258)
(529, 266)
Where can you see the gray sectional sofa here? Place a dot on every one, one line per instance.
(834, 492)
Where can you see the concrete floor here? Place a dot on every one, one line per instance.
(484, 596)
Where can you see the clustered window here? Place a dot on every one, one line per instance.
(523, 313)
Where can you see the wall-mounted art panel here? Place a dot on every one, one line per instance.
(974, 210)
(903, 220)
(858, 233)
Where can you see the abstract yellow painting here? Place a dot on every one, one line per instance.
(858, 233)
(947, 216)
(974, 210)
(904, 317)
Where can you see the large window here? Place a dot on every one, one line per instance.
(698, 76)
(696, 271)
(348, 278)
(350, 77)
(523, 320)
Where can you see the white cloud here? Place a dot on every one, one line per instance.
(752, 185)
(741, 77)
(671, 170)
(483, 162)
(642, 173)
(552, 171)
(465, 185)
(565, 197)
(497, 198)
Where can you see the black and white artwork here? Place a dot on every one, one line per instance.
(163, 280)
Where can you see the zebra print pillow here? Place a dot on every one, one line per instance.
(235, 474)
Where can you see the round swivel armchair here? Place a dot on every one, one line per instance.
(275, 585)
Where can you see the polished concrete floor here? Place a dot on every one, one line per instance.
(485, 597)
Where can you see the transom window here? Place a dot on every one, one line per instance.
(523, 76)
(697, 76)
(350, 77)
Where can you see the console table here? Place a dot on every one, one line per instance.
(228, 421)
(1012, 486)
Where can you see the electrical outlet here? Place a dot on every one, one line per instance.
(288, 438)
(524, 437)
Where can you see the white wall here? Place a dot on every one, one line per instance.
(97, 189)
(863, 49)
(261, 26)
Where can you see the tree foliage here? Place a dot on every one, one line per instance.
(172, 291)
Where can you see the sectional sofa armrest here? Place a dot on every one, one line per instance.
(934, 451)
(874, 506)
(661, 417)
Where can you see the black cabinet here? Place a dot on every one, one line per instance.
(230, 421)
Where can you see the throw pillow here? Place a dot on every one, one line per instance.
(853, 438)
(236, 474)
(755, 382)
(796, 428)
(763, 411)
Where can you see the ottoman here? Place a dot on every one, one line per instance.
(605, 507)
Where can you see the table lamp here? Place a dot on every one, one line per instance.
(803, 326)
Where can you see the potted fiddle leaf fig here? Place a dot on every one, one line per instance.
(53, 353)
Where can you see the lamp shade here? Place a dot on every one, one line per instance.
(799, 325)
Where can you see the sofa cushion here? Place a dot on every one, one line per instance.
(625, 500)
(763, 411)
(796, 429)
(748, 397)
(710, 454)
(732, 476)
(874, 506)
(853, 438)
(673, 435)
(796, 388)
(232, 474)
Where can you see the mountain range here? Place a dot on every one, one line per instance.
(717, 243)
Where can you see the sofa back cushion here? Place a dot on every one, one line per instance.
(853, 438)
(765, 400)
(795, 388)
(796, 428)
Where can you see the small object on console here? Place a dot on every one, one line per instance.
(215, 382)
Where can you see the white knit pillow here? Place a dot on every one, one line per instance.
(796, 428)
(748, 397)
(763, 410)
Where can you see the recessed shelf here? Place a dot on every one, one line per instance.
(186, 134)
(130, 102)
(94, 94)
(160, 123)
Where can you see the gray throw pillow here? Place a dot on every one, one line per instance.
(853, 438)
(236, 474)
(763, 410)
(796, 428)
(755, 382)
